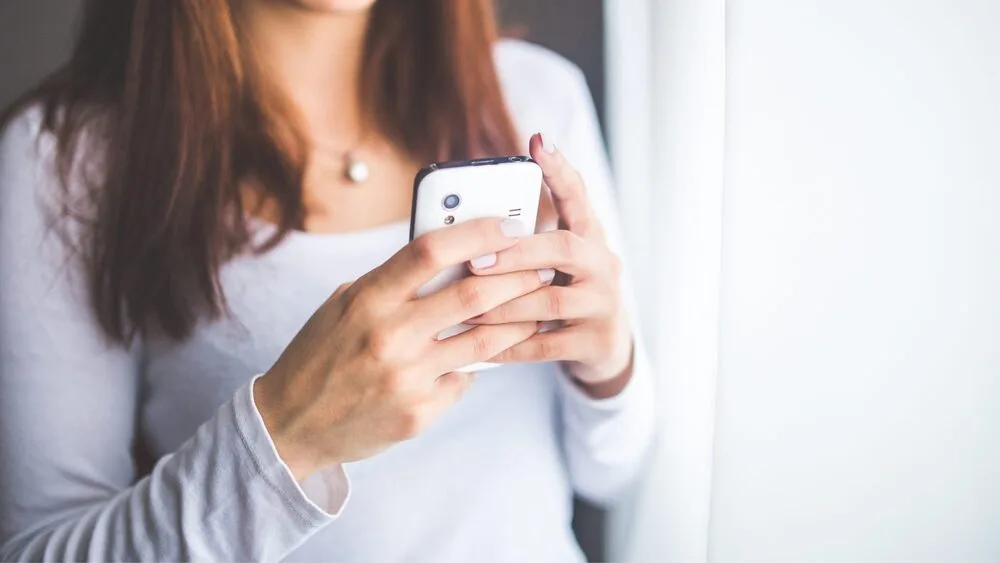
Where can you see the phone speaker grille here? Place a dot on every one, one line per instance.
(514, 213)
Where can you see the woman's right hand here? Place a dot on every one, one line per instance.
(367, 371)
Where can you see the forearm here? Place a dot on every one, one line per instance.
(224, 496)
(608, 432)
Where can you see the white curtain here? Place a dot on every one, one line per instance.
(666, 110)
(812, 191)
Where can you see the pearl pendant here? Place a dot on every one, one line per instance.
(356, 170)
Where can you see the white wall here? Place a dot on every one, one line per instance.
(858, 405)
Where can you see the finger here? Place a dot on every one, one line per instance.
(472, 297)
(478, 345)
(555, 303)
(428, 255)
(445, 391)
(570, 344)
(565, 184)
(449, 388)
(563, 250)
(418, 414)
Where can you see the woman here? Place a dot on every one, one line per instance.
(177, 210)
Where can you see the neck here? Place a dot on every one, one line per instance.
(315, 59)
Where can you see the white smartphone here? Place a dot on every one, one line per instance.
(450, 193)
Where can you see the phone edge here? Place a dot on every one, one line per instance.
(434, 167)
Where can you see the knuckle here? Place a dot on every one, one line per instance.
(357, 311)
(341, 298)
(550, 349)
(343, 288)
(470, 295)
(499, 315)
(425, 252)
(358, 303)
(393, 384)
(484, 345)
(568, 244)
(582, 223)
(555, 302)
(382, 344)
(410, 423)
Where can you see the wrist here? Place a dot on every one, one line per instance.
(609, 381)
(294, 452)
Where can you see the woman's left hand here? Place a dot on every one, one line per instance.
(594, 339)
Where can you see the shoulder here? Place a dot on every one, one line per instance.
(27, 159)
(22, 134)
(30, 156)
(544, 90)
(33, 193)
(529, 66)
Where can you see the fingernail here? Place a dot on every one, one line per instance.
(549, 326)
(484, 262)
(513, 228)
(547, 145)
(546, 275)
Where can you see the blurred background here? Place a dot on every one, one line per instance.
(811, 195)
(35, 36)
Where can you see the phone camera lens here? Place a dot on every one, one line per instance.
(451, 201)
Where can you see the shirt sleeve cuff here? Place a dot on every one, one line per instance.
(319, 498)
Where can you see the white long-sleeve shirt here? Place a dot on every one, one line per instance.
(492, 480)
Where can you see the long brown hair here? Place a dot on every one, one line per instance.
(167, 91)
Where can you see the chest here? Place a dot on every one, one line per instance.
(269, 298)
(333, 203)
